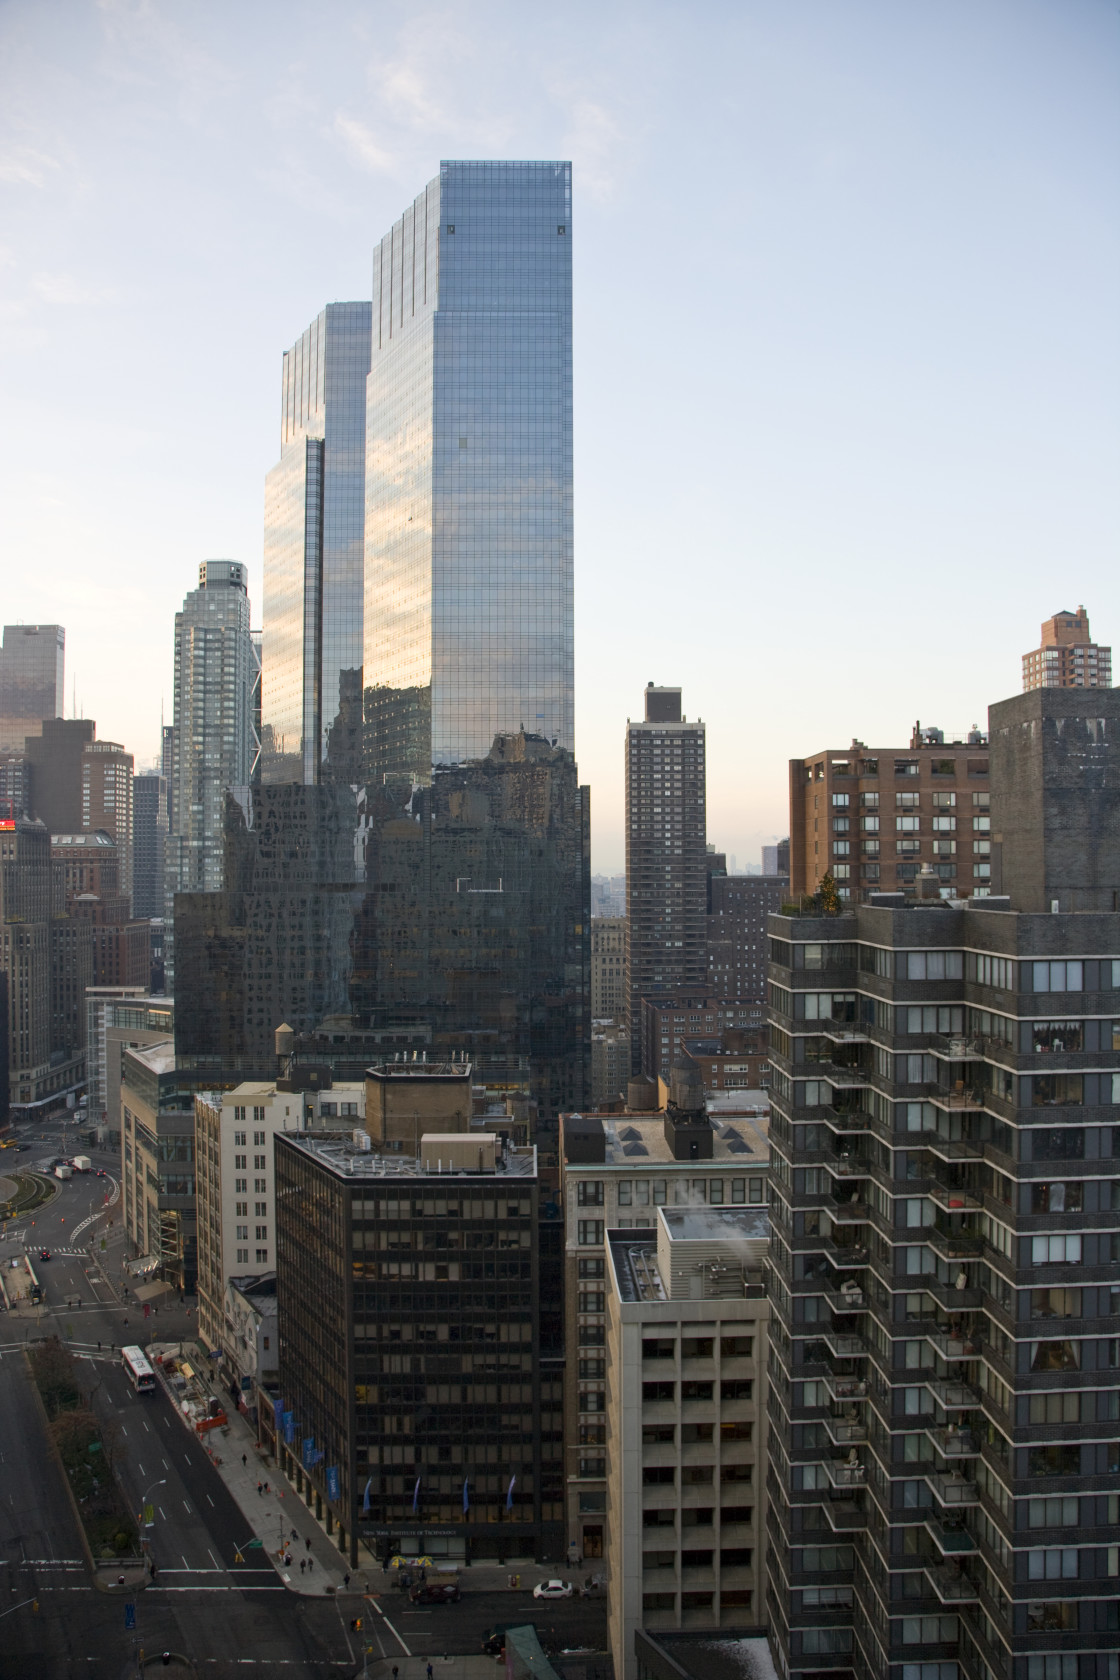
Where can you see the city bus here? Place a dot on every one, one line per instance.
(140, 1373)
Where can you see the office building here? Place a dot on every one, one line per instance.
(872, 817)
(213, 746)
(738, 906)
(608, 895)
(616, 1172)
(775, 859)
(666, 857)
(468, 531)
(149, 844)
(119, 1018)
(79, 784)
(421, 1420)
(250, 1345)
(610, 1062)
(167, 767)
(158, 1165)
(274, 946)
(476, 920)
(15, 784)
(945, 1259)
(86, 887)
(314, 556)
(32, 685)
(235, 1181)
(609, 1001)
(685, 1403)
(47, 957)
(1067, 657)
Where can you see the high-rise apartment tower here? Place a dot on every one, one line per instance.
(945, 1259)
(313, 556)
(468, 577)
(1067, 657)
(666, 859)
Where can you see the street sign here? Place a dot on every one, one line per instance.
(130, 1616)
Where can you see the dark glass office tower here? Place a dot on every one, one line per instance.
(408, 1301)
(477, 919)
(943, 1441)
(31, 680)
(313, 556)
(468, 586)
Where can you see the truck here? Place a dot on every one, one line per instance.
(63, 1170)
(82, 1163)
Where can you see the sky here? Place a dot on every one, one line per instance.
(846, 342)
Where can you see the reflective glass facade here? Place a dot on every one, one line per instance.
(468, 593)
(313, 555)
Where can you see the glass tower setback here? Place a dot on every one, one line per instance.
(313, 556)
(468, 541)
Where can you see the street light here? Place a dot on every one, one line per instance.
(144, 1499)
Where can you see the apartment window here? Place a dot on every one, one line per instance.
(594, 1400)
(869, 801)
(944, 801)
(591, 1301)
(243, 1257)
(590, 1231)
(259, 1163)
(589, 1194)
(591, 1268)
(242, 1233)
(1053, 1513)
(934, 965)
(592, 1466)
(906, 801)
(239, 1137)
(736, 1347)
(262, 1256)
(258, 1137)
(1056, 976)
(841, 801)
(1054, 1563)
(1060, 1665)
(653, 1392)
(869, 825)
(659, 1475)
(262, 1233)
(592, 1367)
(929, 1630)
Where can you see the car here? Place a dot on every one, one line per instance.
(495, 1642)
(435, 1592)
(552, 1589)
(22, 1148)
(44, 1254)
(8, 1143)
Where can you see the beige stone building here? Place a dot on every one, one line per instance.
(406, 1099)
(685, 1408)
(608, 968)
(616, 1173)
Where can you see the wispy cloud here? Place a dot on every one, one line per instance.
(26, 167)
(362, 145)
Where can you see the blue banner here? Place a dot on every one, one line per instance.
(334, 1485)
(308, 1452)
(289, 1427)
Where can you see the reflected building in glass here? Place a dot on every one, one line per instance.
(313, 556)
(468, 531)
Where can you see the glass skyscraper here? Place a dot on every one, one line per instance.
(468, 530)
(313, 556)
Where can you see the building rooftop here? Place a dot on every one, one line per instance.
(158, 1058)
(255, 1286)
(716, 1224)
(97, 839)
(419, 1070)
(634, 1138)
(256, 1089)
(351, 1160)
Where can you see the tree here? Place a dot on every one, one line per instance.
(828, 895)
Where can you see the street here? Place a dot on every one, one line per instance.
(221, 1614)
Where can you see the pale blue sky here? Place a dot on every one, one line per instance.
(846, 332)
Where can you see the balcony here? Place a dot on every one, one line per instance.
(955, 1443)
(956, 1047)
(842, 1344)
(850, 1165)
(842, 1078)
(846, 1431)
(846, 1300)
(842, 1032)
(850, 1211)
(952, 1199)
(842, 1255)
(951, 1584)
(951, 1149)
(843, 1473)
(953, 1490)
(952, 1298)
(954, 1245)
(949, 1535)
(844, 1515)
(846, 1124)
(846, 1389)
(953, 1347)
(954, 1396)
(953, 1100)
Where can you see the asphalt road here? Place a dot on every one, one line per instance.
(223, 1615)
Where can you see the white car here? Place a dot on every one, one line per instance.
(552, 1589)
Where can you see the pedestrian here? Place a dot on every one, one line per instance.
(346, 1580)
(244, 1461)
(430, 1671)
(307, 1543)
(396, 1672)
(287, 1560)
(295, 1536)
(302, 1565)
(260, 1489)
(310, 1565)
(266, 1487)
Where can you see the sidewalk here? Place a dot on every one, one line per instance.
(272, 1516)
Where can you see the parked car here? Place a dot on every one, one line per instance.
(436, 1592)
(552, 1589)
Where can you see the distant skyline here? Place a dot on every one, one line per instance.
(846, 348)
